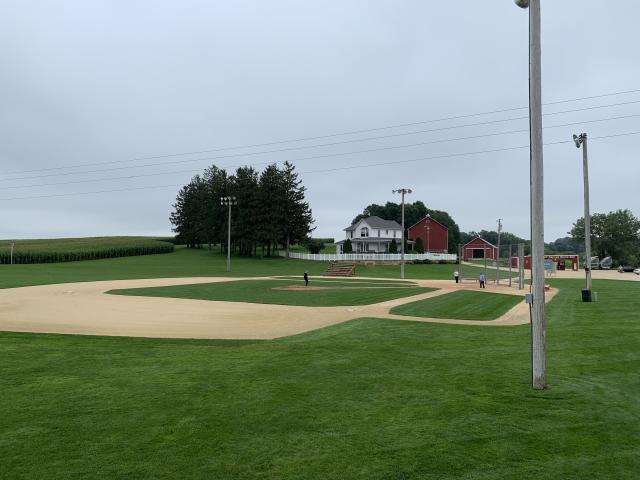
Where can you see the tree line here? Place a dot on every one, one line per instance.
(271, 210)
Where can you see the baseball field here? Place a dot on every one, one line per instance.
(167, 366)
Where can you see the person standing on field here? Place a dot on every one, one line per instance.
(306, 279)
(483, 279)
(456, 276)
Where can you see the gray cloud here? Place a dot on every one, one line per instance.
(102, 81)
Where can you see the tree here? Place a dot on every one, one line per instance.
(393, 246)
(298, 218)
(347, 247)
(418, 246)
(314, 245)
(615, 234)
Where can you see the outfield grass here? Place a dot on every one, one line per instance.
(462, 305)
(262, 291)
(367, 399)
(194, 263)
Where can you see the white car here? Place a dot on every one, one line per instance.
(637, 271)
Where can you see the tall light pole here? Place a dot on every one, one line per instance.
(582, 140)
(538, 367)
(428, 228)
(403, 192)
(498, 259)
(228, 201)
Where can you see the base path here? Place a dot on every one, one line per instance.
(85, 309)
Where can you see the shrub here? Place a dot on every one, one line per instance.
(347, 247)
(418, 246)
(393, 247)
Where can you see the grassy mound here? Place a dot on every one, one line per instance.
(275, 292)
(461, 305)
(74, 249)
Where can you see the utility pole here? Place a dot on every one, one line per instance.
(498, 260)
(12, 244)
(228, 201)
(520, 266)
(582, 140)
(402, 191)
(510, 264)
(538, 363)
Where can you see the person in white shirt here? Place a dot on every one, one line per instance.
(456, 276)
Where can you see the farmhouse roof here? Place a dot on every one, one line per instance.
(432, 219)
(476, 238)
(377, 222)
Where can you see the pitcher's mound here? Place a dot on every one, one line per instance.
(298, 288)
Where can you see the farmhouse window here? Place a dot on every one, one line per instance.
(364, 232)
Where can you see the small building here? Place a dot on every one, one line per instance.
(434, 235)
(559, 260)
(372, 234)
(479, 248)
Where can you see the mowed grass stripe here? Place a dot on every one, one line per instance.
(461, 305)
(263, 291)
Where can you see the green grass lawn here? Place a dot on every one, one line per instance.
(262, 291)
(367, 399)
(195, 263)
(463, 305)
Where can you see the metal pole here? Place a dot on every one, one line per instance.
(229, 241)
(538, 367)
(485, 260)
(510, 265)
(402, 239)
(498, 260)
(587, 215)
(12, 244)
(520, 266)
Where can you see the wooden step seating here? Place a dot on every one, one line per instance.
(340, 269)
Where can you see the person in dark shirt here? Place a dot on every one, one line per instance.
(306, 279)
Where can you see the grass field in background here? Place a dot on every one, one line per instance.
(262, 291)
(367, 399)
(75, 249)
(196, 263)
(462, 305)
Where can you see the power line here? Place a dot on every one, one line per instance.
(327, 155)
(327, 170)
(352, 132)
(264, 152)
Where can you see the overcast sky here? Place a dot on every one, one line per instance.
(88, 82)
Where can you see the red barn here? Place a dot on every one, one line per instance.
(478, 248)
(434, 235)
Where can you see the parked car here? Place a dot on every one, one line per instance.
(637, 271)
(626, 268)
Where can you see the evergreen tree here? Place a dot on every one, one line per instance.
(418, 246)
(393, 246)
(347, 247)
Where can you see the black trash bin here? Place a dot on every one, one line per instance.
(586, 295)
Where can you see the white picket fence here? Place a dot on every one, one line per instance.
(355, 257)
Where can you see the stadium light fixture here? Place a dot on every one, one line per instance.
(228, 202)
(581, 140)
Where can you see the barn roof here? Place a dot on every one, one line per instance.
(376, 222)
(482, 239)
(430, 218)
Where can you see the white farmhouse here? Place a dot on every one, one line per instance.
(372, 234)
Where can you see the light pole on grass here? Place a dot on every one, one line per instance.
(498, 259)
(538, 367)
(228, 202)
(403, 192)
(582, 140)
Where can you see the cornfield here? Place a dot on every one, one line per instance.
(75, 249)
